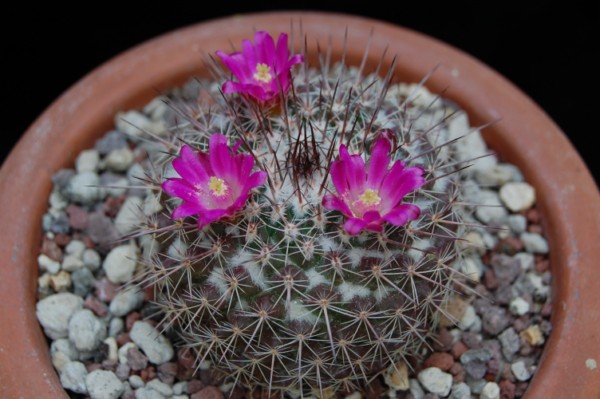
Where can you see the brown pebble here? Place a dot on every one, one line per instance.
(110, 365)
(131, 318)
(441, 360)
(147, 374)
(78, 217)
(51, 249)
(106, 290)
(520, 388)
(535, 228)
(136, 359)
(194, 386)
(122, 371)
(62, 239)
(458, 349)
(122, 338)
(93, 366)
(493, 368)
(167, 372)
(489, 280)
(507, 389)
(533, 216)
(542, 265)
(471, 340)
(443, 341)
(510, 246)
(208, 392)
(112, 205)
(95, 305)
(458, 372)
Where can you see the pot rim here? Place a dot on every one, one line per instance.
(568, 196)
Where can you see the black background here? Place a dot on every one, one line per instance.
(546, 51)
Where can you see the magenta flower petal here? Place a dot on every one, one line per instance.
(212, 185)
(262, 69)
(368, 196)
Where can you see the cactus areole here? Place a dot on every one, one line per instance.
(317, 251)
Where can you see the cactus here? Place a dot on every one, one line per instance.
(287, 277)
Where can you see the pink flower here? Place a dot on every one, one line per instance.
(370, 195)
(262, 70)
(214, 185)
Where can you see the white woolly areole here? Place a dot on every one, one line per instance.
(314, 278)
(327, 244)
(349, 291)
(177, 249)
(356, 255)
(298, 312)
(417, 247)
(217, 279)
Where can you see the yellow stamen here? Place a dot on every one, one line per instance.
(370, 197)
(263, 73)
(217, 186)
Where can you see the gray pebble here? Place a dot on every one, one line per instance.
(87, 161)
(520, 371)
(62, 352)
(159, 386)
(56, 222)
(86, 331)
(125, 301)
(510, 342)
(120, 263)
(145, 393)
(476, 385)
(111, 141)
(415, 389)
(156, 346)
(61, 178)
(505, 268)
(491, 211)
(122, 371)
(495, 320)
(114, 185)
(435, 381)
(72, 377)
(104, 384)
(83, 281)
(471, 145)
(535, 243)
(54, 312)
(57, 200)
(526, 260)
(460, 391)
(101, 230)
(517, 223)
(517, 197)
(474, 362)
(84, 188)
(91, 259)
(115, 327)
(75, 248)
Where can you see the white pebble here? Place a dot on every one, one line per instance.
(155, 346)
(520, 371)
(534, 243)
(116, 326)
(71, 263)
(519, 306)
(120, 263)
(159, 386)
(517, 197)
(136, 381)
(134, 123)
(87, 161)
(435, 381)
(62, 351)
(125, 301)
(145, 393)
(491, 390)
(57, 200)
(471, 145)
(91, 259)
(102, 384)
(122, 353)
(54, 312)
(526, 260)
(113, 349)
(86, 331)
(75, 248)
(84, 188)
(117, 187)
(517, 223)
(468, 319)
(495, 176)
(48, 264)
(460, 391)
(181, 387)
(490, 209)
(72, 377)
(119, 160)
(128, 218)
(415, 389)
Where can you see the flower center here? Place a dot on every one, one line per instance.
(370, 197)
(217, 186)
(263, 73)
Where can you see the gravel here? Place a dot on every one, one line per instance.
(84, 267)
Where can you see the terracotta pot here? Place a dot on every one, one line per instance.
(567, 195)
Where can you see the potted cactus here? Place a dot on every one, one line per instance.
(299, 247)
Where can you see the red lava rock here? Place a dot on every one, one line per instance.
(194, 386)
(51, 249)
(93, 366)
(106, 290)
(167, 372)
(507, 389)
(95, 305)
(78, 217)
(148, 374)
(441, 360)
(493, 368)
(208, 392)
(443, 341)
(458, 349)
(489, 280)
(533, 216)
(535, 228)
(458, 372)
(542, 265)
(132, 318)
(521, 323)
(112, 205)
(185, 358)
(122, 338)
(136, 359)
(62, 239)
